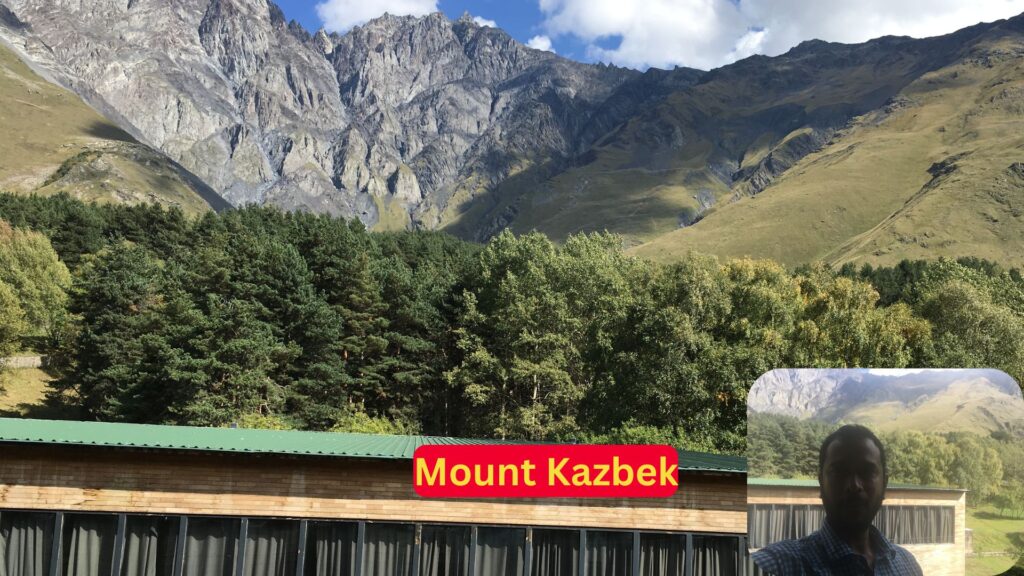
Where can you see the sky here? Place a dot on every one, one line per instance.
(665, 33)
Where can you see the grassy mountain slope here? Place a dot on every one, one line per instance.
(51, 141)
(973, 405)
(938, 171)
(727, 136)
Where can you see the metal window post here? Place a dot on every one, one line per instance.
(417, 538)
(583, 552)
(360, 544)
(636, 553)
(179, 547)
(472, 550)
(741, 559)
(300, 560)
(119, 536)
(528, 553)
(688, 563)
(55, 550)
(243, 535)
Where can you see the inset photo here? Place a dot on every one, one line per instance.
(885, 471)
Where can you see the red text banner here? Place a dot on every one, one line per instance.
(545, 471)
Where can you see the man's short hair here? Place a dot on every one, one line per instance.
(851, 432)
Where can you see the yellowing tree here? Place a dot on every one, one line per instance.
(39, 280)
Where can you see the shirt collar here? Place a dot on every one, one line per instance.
(836, 548)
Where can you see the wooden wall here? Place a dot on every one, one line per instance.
(174, 482)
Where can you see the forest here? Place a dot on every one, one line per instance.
(263, 318)
(990, 467)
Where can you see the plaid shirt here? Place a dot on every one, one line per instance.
(824, 554)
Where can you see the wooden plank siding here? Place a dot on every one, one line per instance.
(46, 477)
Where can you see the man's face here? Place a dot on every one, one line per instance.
(852, 483)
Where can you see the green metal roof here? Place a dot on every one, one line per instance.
(802, 483)
(219, 439)
(241, 440)
(703, 462)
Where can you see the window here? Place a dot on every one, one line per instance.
(500, 551)
(331, 548)
(555, 552)
(609, 553)
(716, 555)
(662, 554)
(88, 544)
(769, 523)
(271, 548)
(388, 549)
(917, 524)
(137, 545)
(26, 542)
(149, 545)
(210, 546)
(444, 551)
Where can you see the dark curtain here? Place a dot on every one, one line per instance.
(271, 548)
(388, 550)
(500, 551)
(609, 553)
(331, 549)
(210, 546)
(662, 554)
(715, 556)
(89, 544)
(768, 523)
(556, 552)
(444, 551)
(916, 524)
(26, 540)
(149, 546)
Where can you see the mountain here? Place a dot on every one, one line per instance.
(399, 122)
(53, 142)
(936, 170)
(892, 148)
(981, 401)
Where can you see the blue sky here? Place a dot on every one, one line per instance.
(522, 19)
(666, 33)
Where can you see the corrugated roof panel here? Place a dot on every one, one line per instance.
(704, 462)
(334, 444)
(219, 439)
(805, 483)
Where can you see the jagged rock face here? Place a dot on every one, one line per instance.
(399, 110)
(801, 393)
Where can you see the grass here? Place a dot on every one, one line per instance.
(968, 405)
(25, 396)
(869, 196)
(993, 533)
(52, 141)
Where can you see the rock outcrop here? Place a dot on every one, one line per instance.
(400, 110)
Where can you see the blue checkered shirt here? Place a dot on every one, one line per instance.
(824, 554)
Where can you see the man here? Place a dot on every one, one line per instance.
(852, 477)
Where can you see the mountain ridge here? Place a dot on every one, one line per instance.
(981, 401)
(430, 123)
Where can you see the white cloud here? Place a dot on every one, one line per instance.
(896, 372)
(709, 33)
(484, 22)
(341, 15)
(540, 43)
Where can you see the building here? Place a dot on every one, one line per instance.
(96, 499)
(929, 522)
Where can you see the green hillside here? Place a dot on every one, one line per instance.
(972, 405)
(936, 172)
(51, 141)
